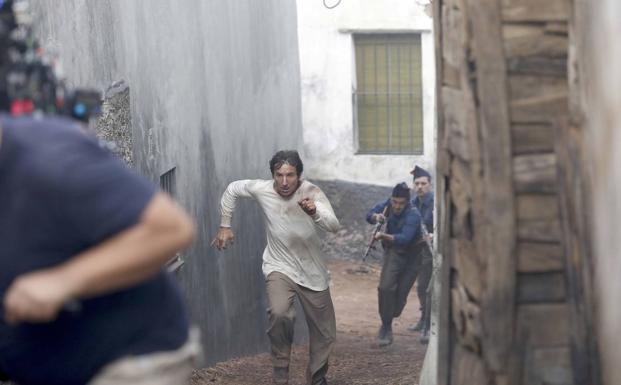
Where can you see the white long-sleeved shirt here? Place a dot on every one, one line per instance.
(293, 243)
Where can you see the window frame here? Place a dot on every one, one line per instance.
(168, 184)
(416, 91)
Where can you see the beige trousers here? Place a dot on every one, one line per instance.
(319, 311)
(161, 368)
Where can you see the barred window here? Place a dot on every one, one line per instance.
(387, 96)
(168, 184)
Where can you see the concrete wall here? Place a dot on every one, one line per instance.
(214, 90)
(602, 100)
(328, 73)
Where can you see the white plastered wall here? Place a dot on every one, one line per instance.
(328, 74)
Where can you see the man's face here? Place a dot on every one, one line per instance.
(286, 180)
(398, 204)
(422, 186)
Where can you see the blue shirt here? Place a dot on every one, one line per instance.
(425, 208)
(61, 194)
(405, 227)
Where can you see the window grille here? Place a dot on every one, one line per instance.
(168, 184)
(387, 97)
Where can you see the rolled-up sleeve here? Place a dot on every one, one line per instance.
(377, 209)
(324, 215)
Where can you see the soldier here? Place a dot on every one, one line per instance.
(401, 247)
(423, 202)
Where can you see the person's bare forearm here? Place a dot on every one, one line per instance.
(122, 261)
(132, 255)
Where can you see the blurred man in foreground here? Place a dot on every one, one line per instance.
(83, 245)
(84, 240)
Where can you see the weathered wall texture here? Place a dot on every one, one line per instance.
(517, 309)
(328, 74)
(215, 90)
(114, 125)
(599, 102)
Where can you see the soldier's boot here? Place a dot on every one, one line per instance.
(418, 326)
(384, 336)
(281, 375)
(424, 339)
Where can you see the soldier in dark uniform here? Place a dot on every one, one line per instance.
(424, 202)
(401, 244)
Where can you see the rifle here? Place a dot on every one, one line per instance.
(425, 233)
(428, 292)
(376, 230)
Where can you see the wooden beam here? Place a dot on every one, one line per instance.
(528, 40)
(558, 28)
(469, 267)
(466, 319)
(457, 116)
(467, 368)
(498, 200)
(532, 138)
(451, 76)
(535, 10)
(545, 109)
(523, 86)
(538, 218)
(535, 173)
(537, 99)
(544, 324)
(548, 366)
(541, 287)
(539, 257)
(541, 66)
(443, 197)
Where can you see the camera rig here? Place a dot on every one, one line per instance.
(31, 81)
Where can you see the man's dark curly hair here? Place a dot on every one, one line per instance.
(290, 157)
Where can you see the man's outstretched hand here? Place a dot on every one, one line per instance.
(223, 239)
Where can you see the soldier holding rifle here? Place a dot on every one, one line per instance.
(400, 267)
(424, 202)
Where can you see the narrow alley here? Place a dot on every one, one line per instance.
(177, 177)
(357, 360)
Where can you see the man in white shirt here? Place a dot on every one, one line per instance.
(292, 261)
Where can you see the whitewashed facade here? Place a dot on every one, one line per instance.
(328, 75)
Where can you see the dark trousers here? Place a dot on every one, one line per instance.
(424, 277)
(398, 274)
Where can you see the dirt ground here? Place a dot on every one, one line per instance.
(356, 359)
